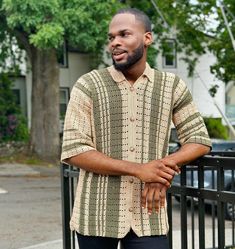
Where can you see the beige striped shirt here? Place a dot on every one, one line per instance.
(127, 122)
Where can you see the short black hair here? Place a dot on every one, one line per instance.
(139, 15)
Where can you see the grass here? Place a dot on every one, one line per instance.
(24, 159)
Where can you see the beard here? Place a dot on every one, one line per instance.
(131, 59)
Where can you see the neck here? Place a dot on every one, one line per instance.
(134, 72)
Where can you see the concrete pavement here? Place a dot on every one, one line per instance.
(15, 174)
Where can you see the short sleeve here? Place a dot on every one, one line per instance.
(188, 121)
(77, 135)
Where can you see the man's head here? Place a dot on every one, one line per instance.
(129, 37)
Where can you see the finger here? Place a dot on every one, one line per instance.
(171, 164)
(163, 196)
(163, 181)
(144, 195)
(166, 175)
(149, 200)
(170, 171)
(156, 199)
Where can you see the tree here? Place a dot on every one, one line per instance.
(41, 27)
(183, 20)
(195, 31)
(221, 46)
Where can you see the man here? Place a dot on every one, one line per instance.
(116, 131)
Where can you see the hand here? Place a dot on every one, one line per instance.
(153, 196)
(158, 171)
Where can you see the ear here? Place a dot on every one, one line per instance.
(148, 39)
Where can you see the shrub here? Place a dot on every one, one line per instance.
(13, 125)
(215, 128)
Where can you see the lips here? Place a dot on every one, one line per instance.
(118, 54)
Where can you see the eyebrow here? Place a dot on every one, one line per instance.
(119, 32)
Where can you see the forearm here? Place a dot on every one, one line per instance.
(188, 152)
(99, 163)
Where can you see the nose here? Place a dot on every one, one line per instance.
(115, 42)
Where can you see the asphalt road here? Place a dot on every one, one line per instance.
(30, 205)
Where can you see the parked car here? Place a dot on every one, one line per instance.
(210, 176)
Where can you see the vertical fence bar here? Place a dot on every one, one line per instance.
(213, 209)
(232, 189)
(220, 205)
(183, 214)
(169, 213)
(192, 211)
(201, 207)
(71, 192)
(65, 198)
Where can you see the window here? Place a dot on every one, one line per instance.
(62, 55)
(64, 99)
(169, 54)
(16, 92)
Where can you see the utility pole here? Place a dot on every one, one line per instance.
(227, 25)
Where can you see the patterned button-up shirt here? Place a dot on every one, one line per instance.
(127, 122)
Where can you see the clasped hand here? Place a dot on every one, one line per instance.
(157, 176)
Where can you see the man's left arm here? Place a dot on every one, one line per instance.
(154, 194)
(193, 136)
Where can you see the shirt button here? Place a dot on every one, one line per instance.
(132, 119)
(131, 180)
(132, 149)
(132, 89)
(131, 209)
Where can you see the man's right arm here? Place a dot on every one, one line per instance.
(79, 147)
(99, 163)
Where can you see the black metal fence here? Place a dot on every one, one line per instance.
(200, 204)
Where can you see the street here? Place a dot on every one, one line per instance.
(30, 209)
(30, 204)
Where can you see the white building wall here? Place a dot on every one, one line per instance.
(78, 64)
(196, 83)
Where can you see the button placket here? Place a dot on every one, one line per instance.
(132, 114)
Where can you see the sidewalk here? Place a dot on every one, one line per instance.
(14, 172)
(30, 193)
(21, 170)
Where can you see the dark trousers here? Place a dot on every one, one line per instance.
(130, 241)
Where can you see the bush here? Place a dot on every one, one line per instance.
(215, 128)
(13, 126)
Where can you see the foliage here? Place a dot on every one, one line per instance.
(187, 22)
(12, 124)
(183, 21)
(215, 128)
(47, 24)
(221, 45)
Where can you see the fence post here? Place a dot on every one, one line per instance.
(65, 198)
(183, 206)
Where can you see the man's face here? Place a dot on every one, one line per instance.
(126, 41)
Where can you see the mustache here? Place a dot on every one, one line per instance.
(118, 50)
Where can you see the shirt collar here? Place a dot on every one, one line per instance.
(119, 77)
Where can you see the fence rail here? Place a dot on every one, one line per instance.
(193, 193)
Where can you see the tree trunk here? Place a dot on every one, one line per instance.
(44, 140)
